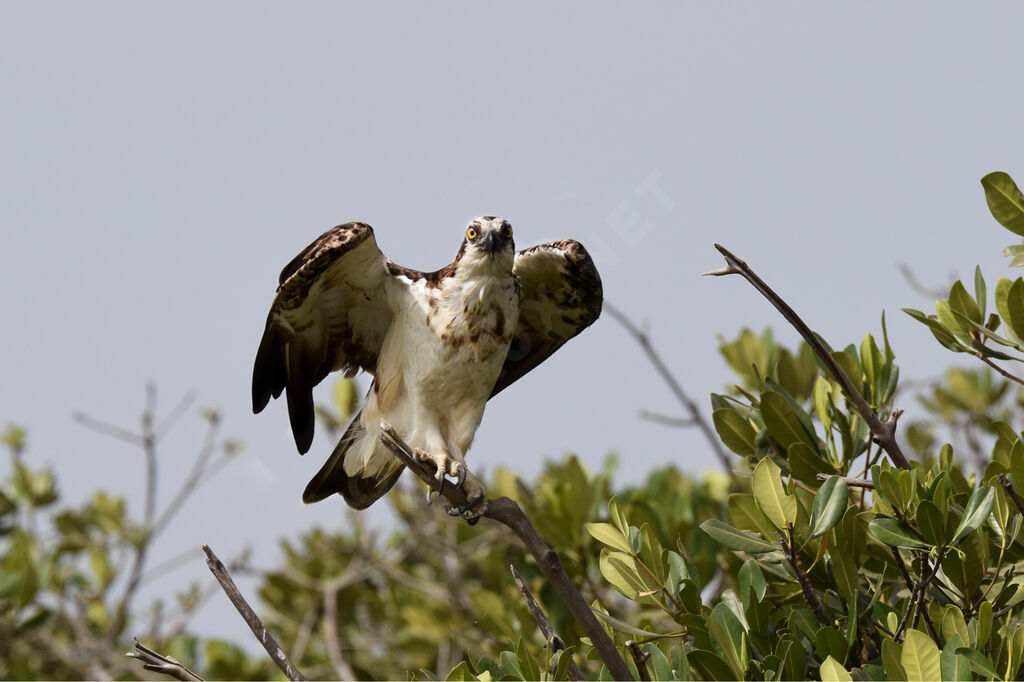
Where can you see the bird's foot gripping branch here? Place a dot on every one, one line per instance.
(508, 513)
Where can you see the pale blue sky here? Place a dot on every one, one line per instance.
(161, 162)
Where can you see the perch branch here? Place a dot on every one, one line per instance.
(508, 513)
(696, 418)
(158, 663)
(220, 572)
(883, 432)
(554, 641)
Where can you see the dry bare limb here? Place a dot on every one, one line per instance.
(883, 432)
(220, 572)
(850, 481)
(508, 513)
(541, 619)
(696, 418)
(158, 663)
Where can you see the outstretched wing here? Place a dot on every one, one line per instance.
(561, 297)
(330, 313)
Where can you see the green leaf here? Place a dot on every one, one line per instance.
(979, 506)
(962, 302)
(728, 632)
(752, 582)
(782, 422)
(657, 662)
(734, 430)
(891, 654)
(621, 625)
(833, 671)
(1005, 201)
(620, 569)
(891, 532)
(920, 657)
(955, 667)
(941, 333)
(460, 673)
(710, 665)
(931, 522)
(830, 504)
(1014, 317)
(609, 535)
(844, 570)
(980, 663)
(739, 540)
(980, 294)
(770, 496)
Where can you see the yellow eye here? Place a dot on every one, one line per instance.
(506, 232)
(471, 233)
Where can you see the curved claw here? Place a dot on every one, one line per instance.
(463, 470)
(431, 494)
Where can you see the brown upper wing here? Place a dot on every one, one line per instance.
(562, 296)
(330, 313)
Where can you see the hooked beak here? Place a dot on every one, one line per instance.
(489, 242)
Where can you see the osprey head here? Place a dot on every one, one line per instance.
(489, 240)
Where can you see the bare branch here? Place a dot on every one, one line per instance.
(175, 415)
(107, 429)
(988, 361)
(191, 482)
(507, 512)
(919, 286)
(554, 641)
(1005, 482)
(666, 420)
(158, 663)
(883, 432)
(850, 481)
(697, 418)
(220, 572)
(810, 596)
(640, 659)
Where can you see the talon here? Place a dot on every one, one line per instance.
(461, 470)
(430, 495)
(454, 512)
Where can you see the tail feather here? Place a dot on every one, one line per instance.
(359, 492)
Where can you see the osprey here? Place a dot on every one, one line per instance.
(438, 345)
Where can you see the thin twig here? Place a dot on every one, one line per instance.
(883, 432)
(191, 482)
(220, 572)
(999, 369)
(850, 481)
(810, 596)
(540, 618)
(107, 429)
(640, 659)
(697, 418)
(158, 663)
(1008, 487)
(172, 417)
(666, 420)
(508, 513)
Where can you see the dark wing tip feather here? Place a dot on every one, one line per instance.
(308, 334)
